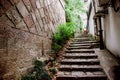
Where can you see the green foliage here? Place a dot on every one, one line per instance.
(74, 10)
(64, 32)
(53, 70)
(56, 47)
(29, 77)
(39, 63)
(39, 72)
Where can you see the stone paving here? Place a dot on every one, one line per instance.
(80, 62)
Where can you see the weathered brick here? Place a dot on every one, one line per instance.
(22, 9)
(39, 18)
(33, 2)
(45, 2)
(36, 24)
(14, 15)
(39, 30)
(38, 4)
(1, 11)
(3, 42)
(46, 27)
(22, 26)
(22, 45)
(42, 12)
(28, 5)
(42, 3)
(28, 20)
(45, 11)
(15, 1)
(51, 26)
(43, 20)
(5, 21)
(48, 2)
(47, 19)
(33, 29)
(6, 5)
(27, 2)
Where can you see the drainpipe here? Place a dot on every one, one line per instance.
(101, 34)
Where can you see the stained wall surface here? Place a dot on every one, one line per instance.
(26, 28)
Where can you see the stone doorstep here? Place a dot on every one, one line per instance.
(84, 42)
(80, 56)
(78, 47)
(80, 73)
(90, 68)
(80, 62)
(82, 77)
(80, 51)
(81, 39)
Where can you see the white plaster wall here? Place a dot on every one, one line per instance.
(112, 32)
(91, 22)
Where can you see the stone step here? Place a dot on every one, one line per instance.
(80, 51)
(80, 56)
(84, 42)
(81, 76)
(79, 47)
(75, 45)
(91, 68)
(80, 61)
(81, 39)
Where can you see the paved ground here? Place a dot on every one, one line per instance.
(107, 61)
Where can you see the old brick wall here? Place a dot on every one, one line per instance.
(26, 28)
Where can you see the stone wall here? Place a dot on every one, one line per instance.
(26, 28)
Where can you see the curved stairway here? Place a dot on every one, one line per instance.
(80, 62)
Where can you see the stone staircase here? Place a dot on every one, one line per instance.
(80, 62)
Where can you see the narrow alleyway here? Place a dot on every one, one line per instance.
(80, 62)
(37, 30)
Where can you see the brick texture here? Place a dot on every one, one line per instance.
(26, 29)
(28, 21)
(5, 4)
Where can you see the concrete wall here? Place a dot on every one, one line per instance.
(26, 28)
(112, 32)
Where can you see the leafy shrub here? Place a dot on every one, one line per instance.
(39, 72)
(64, 32)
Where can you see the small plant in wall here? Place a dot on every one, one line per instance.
(39, 72)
